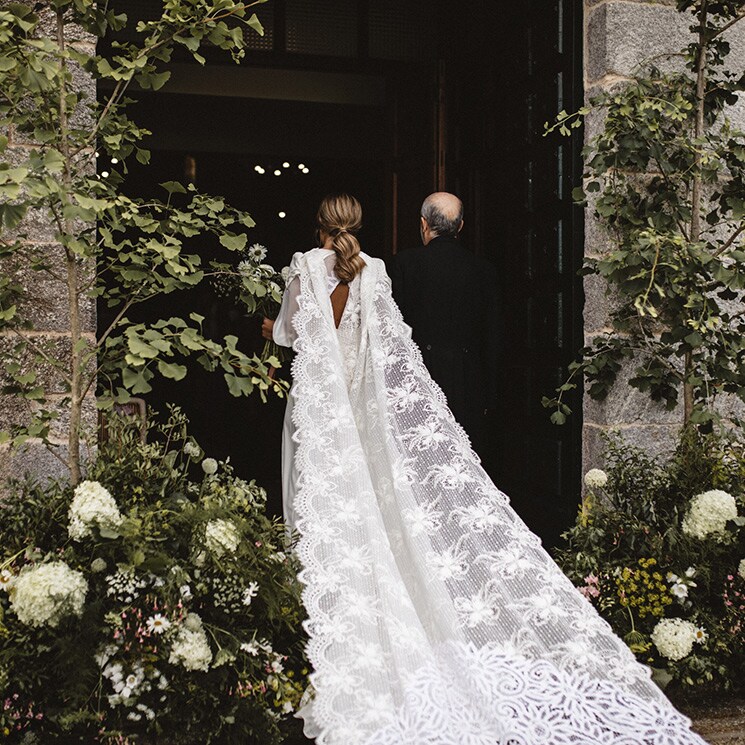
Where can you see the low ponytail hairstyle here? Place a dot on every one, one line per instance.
(340, 217)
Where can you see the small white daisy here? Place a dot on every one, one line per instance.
(158, 623)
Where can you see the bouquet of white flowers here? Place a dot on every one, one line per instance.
(258, 286)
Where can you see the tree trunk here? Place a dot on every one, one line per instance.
(696, 187)
(73, 291)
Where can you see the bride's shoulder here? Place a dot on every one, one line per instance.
(376, 266)
(299, 258)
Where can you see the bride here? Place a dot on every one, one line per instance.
(435, 617)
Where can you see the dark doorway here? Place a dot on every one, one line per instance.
(245, 430)
(392, 100)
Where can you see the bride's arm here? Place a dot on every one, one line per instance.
(282, 330)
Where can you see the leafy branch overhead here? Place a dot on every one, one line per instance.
(106, 247)
(665, 178)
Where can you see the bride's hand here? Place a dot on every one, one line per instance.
(267, 328)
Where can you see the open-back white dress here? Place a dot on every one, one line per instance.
(435, 617)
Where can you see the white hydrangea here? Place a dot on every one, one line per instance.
(674, 638)
(191, 449)
(221, 536)
(190, 647)
(708, 514)
(93, 505)
(741, 568)
(209, 466)
(42, 595)
(596, 478)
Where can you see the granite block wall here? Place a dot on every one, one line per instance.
(619, 35)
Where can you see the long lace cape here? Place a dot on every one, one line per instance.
(435, 617)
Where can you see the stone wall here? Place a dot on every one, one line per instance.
(620, 34)
(46, 305)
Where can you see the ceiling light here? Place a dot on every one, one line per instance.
(301, 166)
(306, 170)
(283, 214)
(285, 165)
(278, 172)
(104, 174)
(114, 161)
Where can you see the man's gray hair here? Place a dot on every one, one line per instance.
(443, 213)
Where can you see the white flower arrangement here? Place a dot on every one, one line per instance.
(221, 536)
(44, 594)
(709, 513)
(741, 568)
(674, 638)
(596, 478)
(92, 505)
(190, 647)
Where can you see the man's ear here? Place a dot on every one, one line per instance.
(460, 227)
(423, 222)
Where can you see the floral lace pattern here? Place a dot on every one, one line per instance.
(435, 617)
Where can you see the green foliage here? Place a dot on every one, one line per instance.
(159, 565)
(665, 178)
(118, 250)
(629, 554)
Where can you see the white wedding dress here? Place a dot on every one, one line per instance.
(435, 617)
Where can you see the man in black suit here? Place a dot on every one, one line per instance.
(449, 297)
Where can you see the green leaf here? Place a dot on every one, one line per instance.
(558, 418)
(12, 214)
(158, 80)
(141, 348)
(237, 385)
(173, 187)
(255, 24)
(234, 242)
(171, 370)
(135, 380)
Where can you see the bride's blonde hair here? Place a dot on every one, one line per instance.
(340, 217)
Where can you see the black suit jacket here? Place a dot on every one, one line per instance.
(450, 298)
